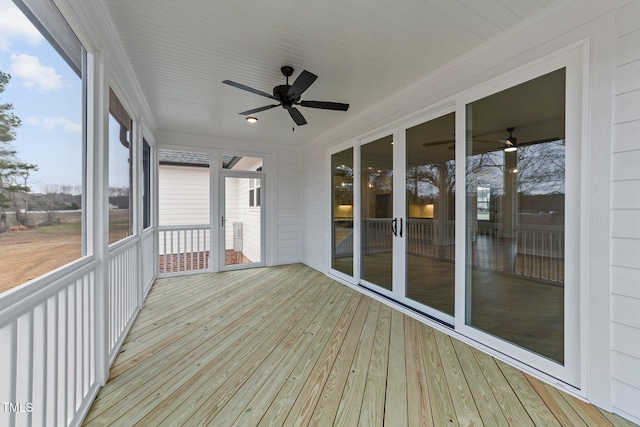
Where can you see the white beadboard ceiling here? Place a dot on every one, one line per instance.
(361, 50)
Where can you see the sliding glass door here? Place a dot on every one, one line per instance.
(378, 224)
(516, 213)
(430, 217)
(404, 242)
(471, 217)
(407, 216)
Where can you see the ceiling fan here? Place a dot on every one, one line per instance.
(288, 96)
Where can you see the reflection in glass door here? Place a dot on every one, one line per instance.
(342, 211)
(430, 213)
(242, 221)
(378, 225)
(515, 215)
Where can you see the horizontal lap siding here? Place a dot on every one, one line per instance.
(625, 285)
(288, 207)
(314, 203)
(183, 195)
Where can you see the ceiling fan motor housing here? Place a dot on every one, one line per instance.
(280, 92)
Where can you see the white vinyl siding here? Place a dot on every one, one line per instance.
(625, 214)
(288, 207)
(314, 207)
(183, 195)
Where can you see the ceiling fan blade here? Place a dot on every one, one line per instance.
(257, 110)
(434, 143)
(297, 116)
(325, 105)
(249, 89)
(540, 141)
(302, 83)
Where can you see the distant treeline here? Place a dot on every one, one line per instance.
(54, 201)
(63, 202)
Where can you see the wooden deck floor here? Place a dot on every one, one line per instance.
(288, 346)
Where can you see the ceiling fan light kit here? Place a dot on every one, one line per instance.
(252, 119)
(288, 96)
(511, 143)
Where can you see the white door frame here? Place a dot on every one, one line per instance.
(570, 372)
(221, 221)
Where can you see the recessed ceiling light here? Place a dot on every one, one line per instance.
(252, 119)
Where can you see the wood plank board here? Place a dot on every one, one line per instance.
(315, 337)
(287, 345)
(418, 399)
(514, 412)
(348, 412)
(395, 412)
(289, 393)
(372, 411)
(463, 401)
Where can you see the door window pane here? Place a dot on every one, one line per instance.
(377, 211)
(431, 213)
(342, 211)
(242, 221)
(241, 163)
(516, 214)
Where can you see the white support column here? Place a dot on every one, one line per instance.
(138, 208)
(97, 215)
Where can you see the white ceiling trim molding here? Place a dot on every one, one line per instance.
(167, 139)
(92, 23)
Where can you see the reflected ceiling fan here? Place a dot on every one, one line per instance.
(288, 96)
(510, 144)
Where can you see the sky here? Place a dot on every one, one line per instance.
(47, 96)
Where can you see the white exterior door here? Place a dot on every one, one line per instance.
(242, 222)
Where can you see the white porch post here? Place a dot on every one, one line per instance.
(97, 189)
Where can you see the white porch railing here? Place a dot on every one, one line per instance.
(540, 252)
(345, 247)
(376, 235)
(424, 237)
(149, 260)
(122, 294)
(60, 334)
(48, 366)
(429, 238)
(184, 249)
(536, 252)
(487, 250)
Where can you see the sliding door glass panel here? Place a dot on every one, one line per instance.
(377, 211)
(515, 216)
(430, 213)
(242, 220)
(342, 211)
